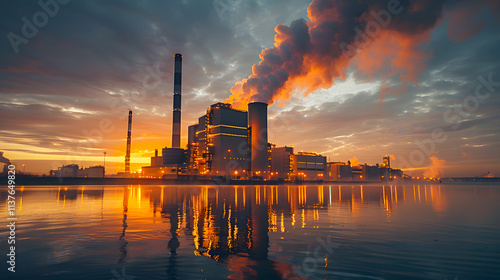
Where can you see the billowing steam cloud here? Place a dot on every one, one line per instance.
(436, 168)
(4, 159)
(354, 161)
(381, 36)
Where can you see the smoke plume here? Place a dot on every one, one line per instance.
(4, 159)
(380, 39)
(436, 168)
(354, 161)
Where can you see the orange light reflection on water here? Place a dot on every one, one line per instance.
(216, 219)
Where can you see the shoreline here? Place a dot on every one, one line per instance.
(47, 181)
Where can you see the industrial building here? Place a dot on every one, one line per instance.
(156, 160)
(387, 161)
(73, 171)
(288, 166)
(309, 166)
(338, 171)
(365, 173)
(70, 170)
(230, 143)
(157, 168)
(341, 171)
(91, 172)
(282, 163)
(219, 142)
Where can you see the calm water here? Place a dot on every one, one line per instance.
(252, 232)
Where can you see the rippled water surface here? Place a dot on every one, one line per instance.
(255, 232)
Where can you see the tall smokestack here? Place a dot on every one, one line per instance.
(257, 120)
(129, 140)
(176, 126)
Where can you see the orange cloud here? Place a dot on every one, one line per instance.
(309, 55)
(394, 53)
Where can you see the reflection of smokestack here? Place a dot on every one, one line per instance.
(129, 140)
(257, 120)
(260, 229)
(176, 126)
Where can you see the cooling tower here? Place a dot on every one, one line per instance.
(176, 125)
(257, 121)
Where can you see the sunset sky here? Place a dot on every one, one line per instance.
(64, 95)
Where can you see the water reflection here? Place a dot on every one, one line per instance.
(232, 225)
(123, 241)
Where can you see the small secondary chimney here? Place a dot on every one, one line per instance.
(129, 140)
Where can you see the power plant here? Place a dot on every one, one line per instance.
(233, 144)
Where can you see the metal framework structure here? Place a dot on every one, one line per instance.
(129, 140)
